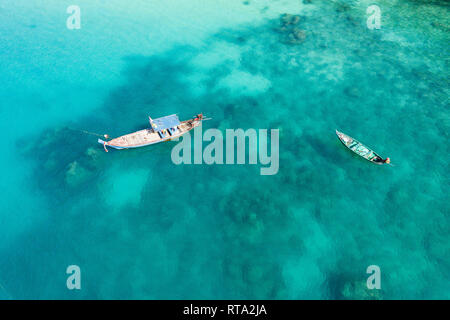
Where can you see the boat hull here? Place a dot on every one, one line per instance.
(359, 148)
(146, 137)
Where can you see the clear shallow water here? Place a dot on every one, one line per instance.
(224, 231)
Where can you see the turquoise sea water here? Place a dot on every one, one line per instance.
(140, 227)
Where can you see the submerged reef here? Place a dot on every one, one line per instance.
(76, 174)
(358, 290)
(62, 171)
(289, 29)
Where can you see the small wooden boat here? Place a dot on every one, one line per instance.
(360, 149)
(162, 129)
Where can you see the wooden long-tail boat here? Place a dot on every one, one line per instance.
(360, 149)
(161, 129)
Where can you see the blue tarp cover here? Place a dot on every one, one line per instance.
(166, 122)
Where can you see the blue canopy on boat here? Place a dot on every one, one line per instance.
(166, 122)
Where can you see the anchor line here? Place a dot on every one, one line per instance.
(91, 133)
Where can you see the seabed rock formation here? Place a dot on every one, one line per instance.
(76, 174)
(358, 290)
(289, 29)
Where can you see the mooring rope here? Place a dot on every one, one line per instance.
(91, 133)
